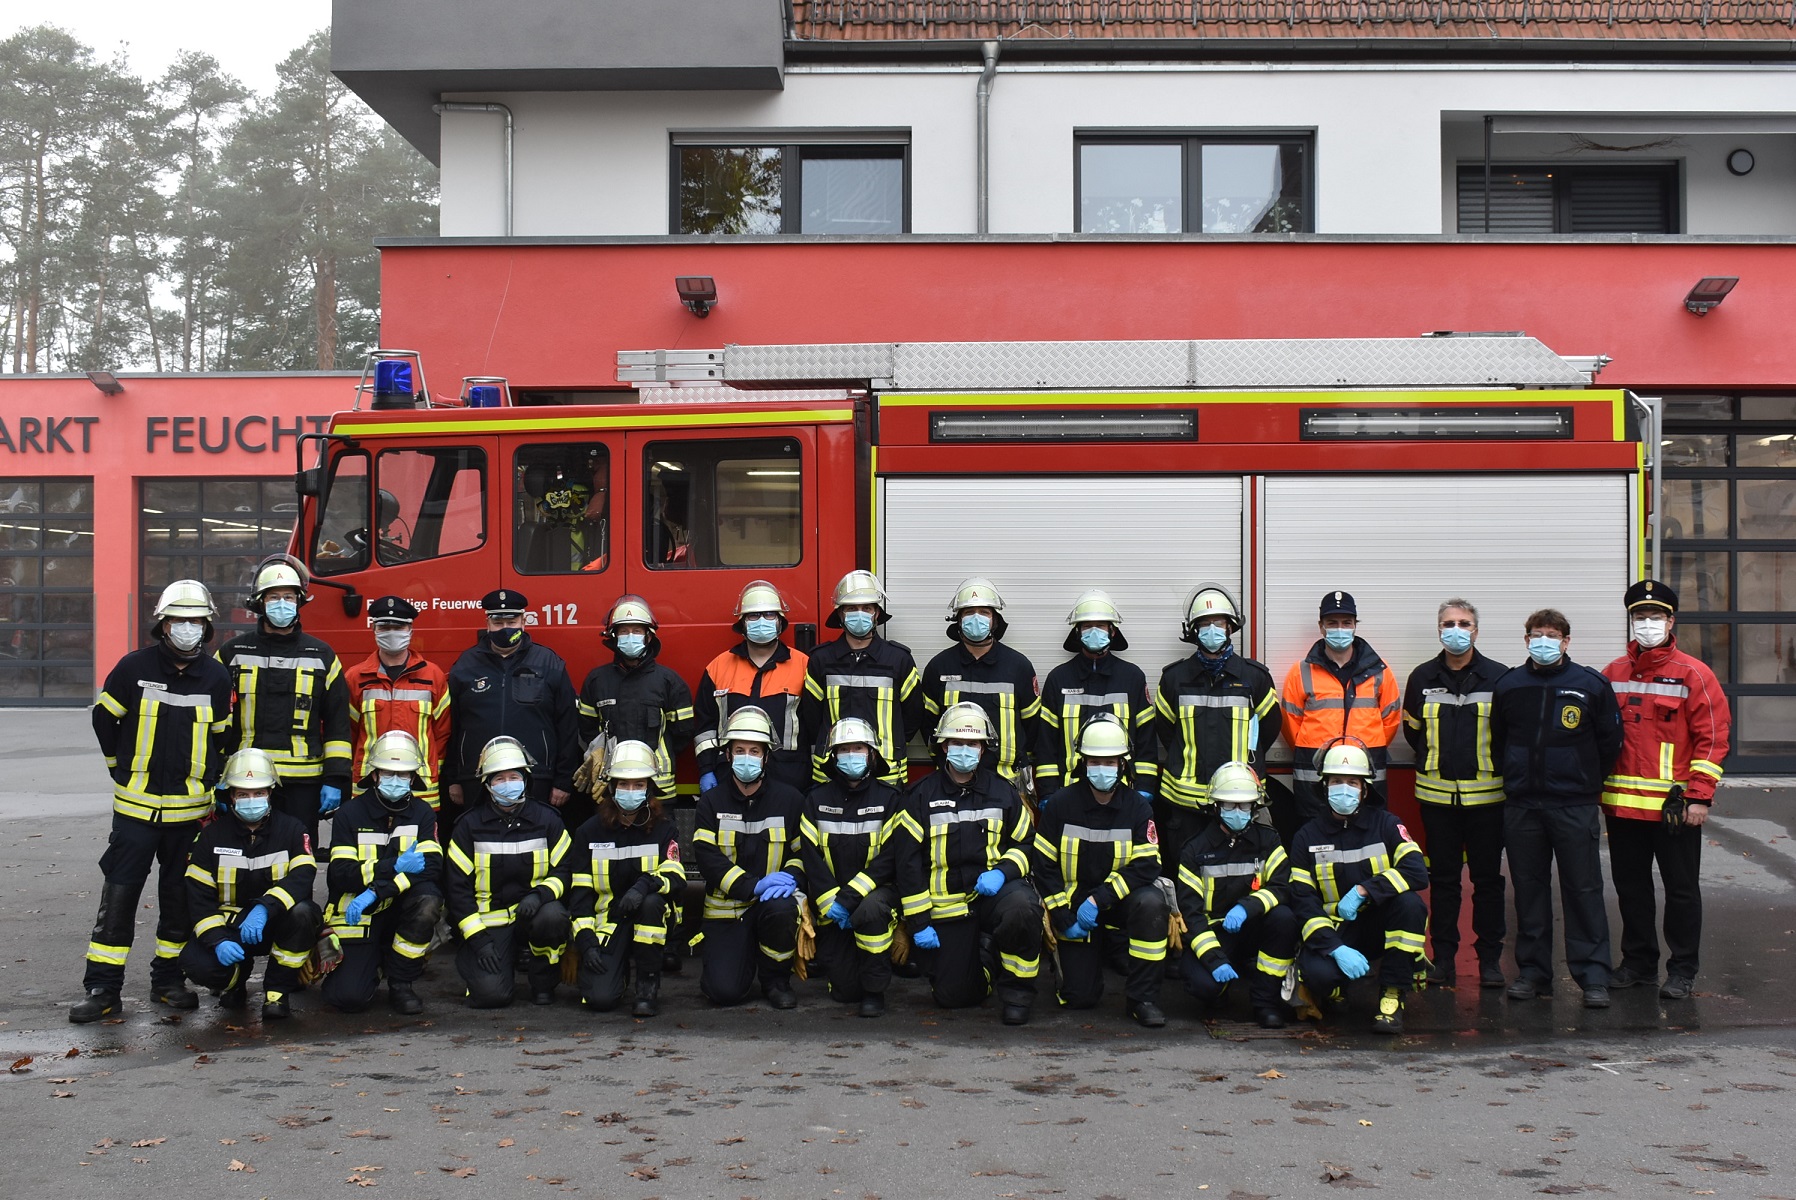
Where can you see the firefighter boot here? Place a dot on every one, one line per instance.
(778, 990)
(403, 1000)
(98, 1003)
(179, 996)
(1389, 1018)
(873, 1004)
(234, 997)
(275, 1007)
(1147, 1014)
(648, 994)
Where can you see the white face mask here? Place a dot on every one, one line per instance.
(393, 641)
(1651, 632)
(186, 636)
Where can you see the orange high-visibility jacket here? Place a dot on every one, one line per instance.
(1322, 702)
(1674, 721)
(415, 701)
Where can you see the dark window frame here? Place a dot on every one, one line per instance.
(227, 597)
(77, 677)
(1191, 143)
(1669, 173)
(792, 152)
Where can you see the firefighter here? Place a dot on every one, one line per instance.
(396, 688)
(1216, 706)
(506, 880)
(1340, 689)
(849, 865)
(762, 672)
(249, 888)
(1098, 871)
(1356, 883)
(963, 859)
(862, 675)
(1674, 722)
(746, 840)
(627, 866)
(292, 700)
(1094, 680)
(634, 697)
(160, 721)
(1233, 886)
(980, 669)
(1557, 729)
(1446, 719)
(385, 880)
(508, 685)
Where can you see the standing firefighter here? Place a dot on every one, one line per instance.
(249, 888)
(634, 698)
(1098, 870)
(1340, 689)
(626, 866)
(398, 689)
(1233, 883)
(862, 675)
(1093, 681)
(505, 881)
(981, 670)
(160, 721)
(1214, 707)
(292, 699)
(760, 672)
(849, 865)
(964, 873)
(385, 880)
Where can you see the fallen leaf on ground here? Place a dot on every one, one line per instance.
(645, 1173)
(460, 1172)
(238, 1164)
(1270, 1073)
(20, 1064)
(507, 1143)
(140, 1144)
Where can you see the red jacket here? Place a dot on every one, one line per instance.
(1674, 720)
(417, 702)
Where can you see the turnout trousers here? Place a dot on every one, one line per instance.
(1534, 838)
(735, 951)
(1634, 846)
(1261, 952)
(543, 937)
(634, 945)
(1390, 932)
(997, 947)
(287, 941)
(299, 799)
(858, 961)
(1472, 835)
(132, 849)
(396, 941)
(1140, 921)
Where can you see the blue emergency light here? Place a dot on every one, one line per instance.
(393, 377)
(484, 395)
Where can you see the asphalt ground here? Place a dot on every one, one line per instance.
(1481, 1097)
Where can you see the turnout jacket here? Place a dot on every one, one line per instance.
(880, 685)
(292, 701)
(232, 866)
(1075, 691)
(525, 694)
(162, 729)
(1558, 733)
(949, 834)
(1446, 720)
(640, 701)
(1002, 682)
(1084, 849)
(1323, 702)
(732, 681)
(1218, 870)
(495, 857)
(365, 839)
(611, 857)
(414, 700)
(1204, 718)
(1674, 725)
(1329, 858)
(738, 839)
(848, 848)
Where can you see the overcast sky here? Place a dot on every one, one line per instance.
(247, 37)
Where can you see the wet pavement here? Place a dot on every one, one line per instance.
(1482, 1097)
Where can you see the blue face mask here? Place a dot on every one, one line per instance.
(1095, 639)
(1456, 640)
(1338, 639)
(281, 613)
(1102, 778)
(745, 767)
(507, 793)
(964, 759)
(853, 765)
(1343, 798)
(860, 624)
(631, 645)
(630, 800)
(1235, 819)
(1545, 650)
(394, 787)
(976, 627)
(761, 630)
(250, 808)
(1212, 638)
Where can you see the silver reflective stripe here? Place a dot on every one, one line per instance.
(1468, 698)
(411, 693)
(310, 662)
(738, 826)
(610, 853)
(258, 862)
(527, 846)
(1363, 854)
(1086, 833)
(1229, 701)
(791, 739)
(981, 688)
(373, 837)
(849, 828)
(1215, 870)
(877, 682)
(971, 814)
(1676, 690)
(176, 699)
(1311, 775)
(1093, 700)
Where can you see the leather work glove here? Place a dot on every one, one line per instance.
(530, 905)
(352, 912)
(1353, 964)
(229, 954)
(411, 862)
(253, 923)
(926, 939)
(592, 960)
(989, 882)
(839, 915)
(330, 799)
(630, 903)
(1234, 919)
(1225, 973)
(1350, 904)
(486, 954)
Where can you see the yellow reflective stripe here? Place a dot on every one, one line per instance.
(1205, 942)
(336, 749)
(168, 949)
(207, 924)
(1268, 964)
(107, 702)
(1316, 925)
(96, 952)
(1017, 965)
(1706, 767)
(1667, 757)
(475, 424)
(1398, 939)
(1151, 951)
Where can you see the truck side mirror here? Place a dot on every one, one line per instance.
(309, 482)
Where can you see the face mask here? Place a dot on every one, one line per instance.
(1212, 637)
(860, 624)
(632, 645)
(746, 767)
(186, 636)
(250, 808)
(1235, 819)
(852, 765)
(964, 759)
(1343, 798)
(1456, 640)
(394, 787)
(281, 613)
(1338, 639)
(393, 641)
(632, 800)
(1102, 778)
(976, 628)
(1095, 640)
(1650, 632)
(1544, 650)
(508, 794)
(762, 630)
(502, 639)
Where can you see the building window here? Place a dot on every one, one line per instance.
(47, 591)
(561, 502)
(215, 531)
(1630, 198)
(1197, 183)
(723, 504)
(794, 187)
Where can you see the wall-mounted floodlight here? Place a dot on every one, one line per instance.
(106, 381)
(1709, 291)
(697, 292)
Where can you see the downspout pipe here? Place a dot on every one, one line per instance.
(986, 78)
(510, 134)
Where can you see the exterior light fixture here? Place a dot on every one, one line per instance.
(106, 381)
(697, 292)
(1065, 425)
(1741, 162)
(1709, 291)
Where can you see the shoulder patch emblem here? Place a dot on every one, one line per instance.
(1153, 834)
(1570, 716)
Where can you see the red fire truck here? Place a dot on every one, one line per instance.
(1405, 471)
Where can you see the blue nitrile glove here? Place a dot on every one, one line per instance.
(1224, 974)
(330, 799)
(926, 939)
(707, 781)
(1088, 914)
(772, 887)
(352, 912)
(989, 882)
(254, 922)
(411, 862)
(1353, 964)
(1349, 905)
(1074, 933)
(1234, 919)
(229, 954)
(838, 914)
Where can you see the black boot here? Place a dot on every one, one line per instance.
(234, 997)
(778, 990)
(175, 994)
(98, 1003)
(276, 1008)
(403, 1000)
(648, 994)
(873, 1004)
(1147, 1014)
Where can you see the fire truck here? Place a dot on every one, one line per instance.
(1404, 471)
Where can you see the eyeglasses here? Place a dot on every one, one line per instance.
(1459, 625)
